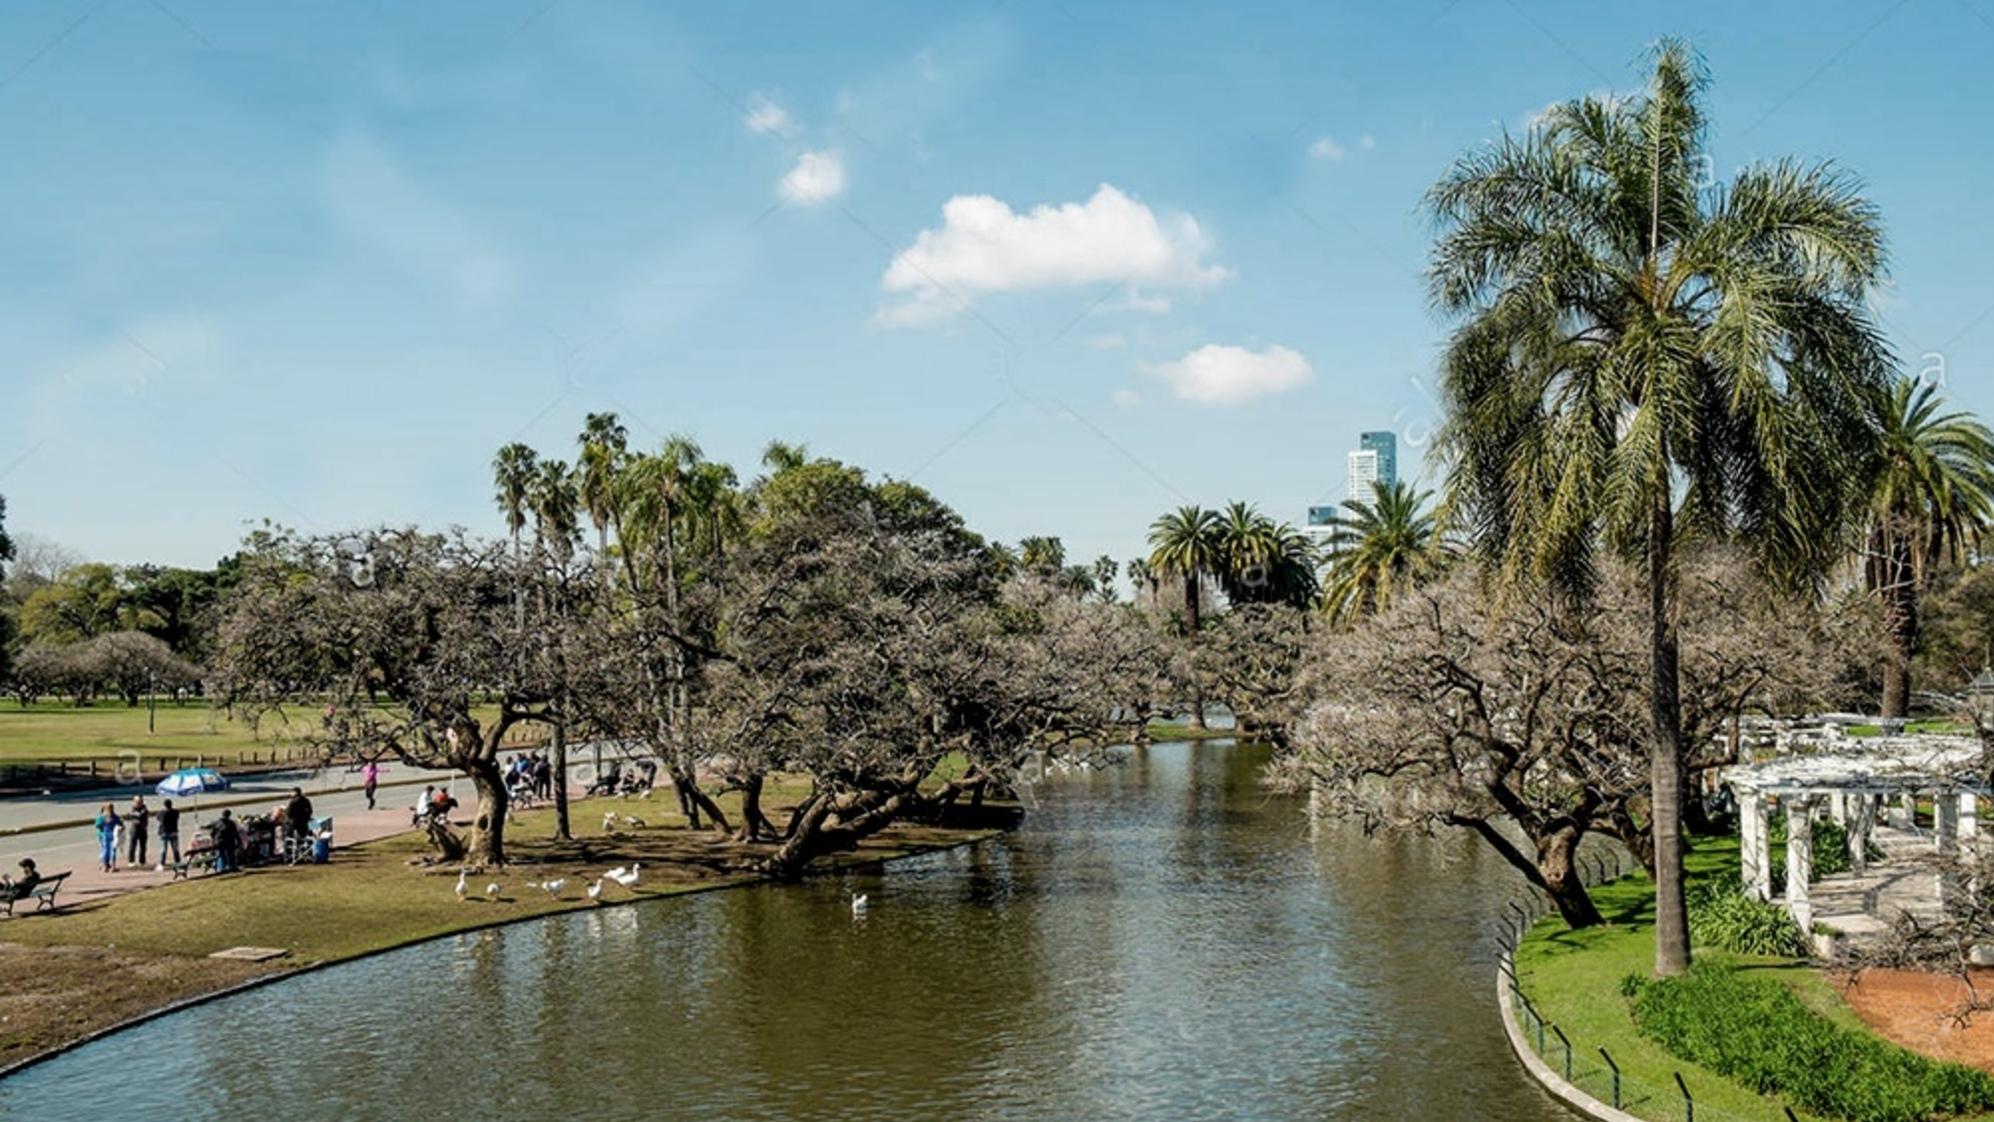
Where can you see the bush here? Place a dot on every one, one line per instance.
(1758, 1033)
(1831, 848)
(1731, 921)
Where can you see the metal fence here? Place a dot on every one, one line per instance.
(1585, 1064)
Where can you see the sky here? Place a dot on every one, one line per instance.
(1066, 264)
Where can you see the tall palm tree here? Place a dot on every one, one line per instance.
(1247, 543)
(1932, 491)
(556, 509)
(780, 455)
(604, 444)
(1639, 349)
(514, 470)
(1378, 549)
(1186, 544)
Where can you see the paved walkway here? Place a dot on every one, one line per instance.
(1863, 906)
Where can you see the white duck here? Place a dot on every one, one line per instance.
(859, 903)
(595, 890)
(491, 891)
(553, 887)
(629, 879)
(461, 888)
(609, 822)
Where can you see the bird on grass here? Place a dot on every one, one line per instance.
(491, 891)
(595, 890)
(633, 823)
(553, 887)
(461, 889)
(859, 903)
(627, 879)
(609, 822)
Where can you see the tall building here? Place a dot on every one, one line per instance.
(1375, 460)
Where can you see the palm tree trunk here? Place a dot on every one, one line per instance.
(1665, 749)
(1900, 620)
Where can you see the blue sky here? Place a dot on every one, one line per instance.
(315, 262)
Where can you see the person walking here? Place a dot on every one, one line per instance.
(370, 778)
(169, 835)
(107, 824)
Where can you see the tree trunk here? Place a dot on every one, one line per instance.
(696, 800)
(1564, 882)
(1665, 748)
(486, 846)
(754, 825)
(1900, 625)
(558, 751)
(1193, 602)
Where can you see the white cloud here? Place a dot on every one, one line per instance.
(1133, 301)
(984, 246)
(1367, 142)
(1222, 375)
(817, 177)
(1127, 399)
(1326, 148)
(765, 116)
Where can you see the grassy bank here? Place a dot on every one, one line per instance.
(111, 732)
(1573, 978)
(104, 962)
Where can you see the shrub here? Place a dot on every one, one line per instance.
(1731, 921)
(1831, 848)
(1756, 1032)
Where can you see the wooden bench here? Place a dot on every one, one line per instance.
(43, 893)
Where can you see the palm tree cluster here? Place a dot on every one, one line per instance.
(1238, 551)
(1644, 356)
(1379, 548)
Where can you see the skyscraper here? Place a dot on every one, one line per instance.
(1375, 460)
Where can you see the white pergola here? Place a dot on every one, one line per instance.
(1852, 783)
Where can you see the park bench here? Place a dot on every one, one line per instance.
(43, 893)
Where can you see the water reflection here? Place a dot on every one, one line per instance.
(1161, 940)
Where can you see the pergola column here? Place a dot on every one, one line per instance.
(1838, 807)
(1969, 809)
(1799, 862)
(1862, 820)
(1945, 822)
(1755, 844)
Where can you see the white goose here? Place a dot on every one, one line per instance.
(859, 903)
(461, 888)
(491, 891)
(595, 890)
(553, 887)
(627, 879)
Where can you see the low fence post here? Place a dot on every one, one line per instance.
(1688, 1104)
(1615, 1069)
(1562, 1039)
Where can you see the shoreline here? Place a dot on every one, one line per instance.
(890, 846)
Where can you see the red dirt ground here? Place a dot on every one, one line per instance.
(1922, 1012)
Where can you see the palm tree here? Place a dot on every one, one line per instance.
(556, 509)
(1378, 549)
(604, 444)
(1042, 555)
(514, 470)
(1102, 573)
(1186, 544)
(1247, 545)
(1933, 489)
(1640, 349)
(781, 455)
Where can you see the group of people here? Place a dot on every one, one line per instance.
(131, 833)
(530, 776)
(434, 803)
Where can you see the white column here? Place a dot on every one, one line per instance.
(1862, 819)
(1969, 824)
(1945, 822)
(1799, 863)
(1755, 844)
(1838, 808)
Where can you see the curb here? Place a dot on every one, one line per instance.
(1535, 1065)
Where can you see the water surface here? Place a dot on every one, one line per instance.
(1159, 941)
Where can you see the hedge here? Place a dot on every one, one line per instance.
(1756, 1032)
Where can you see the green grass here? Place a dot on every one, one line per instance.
(1573, 979)
(1940, 725)
(110, 731)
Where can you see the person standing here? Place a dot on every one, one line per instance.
(107, 838)
(138, 825)
(228, 843)
(370, 778)
(169, 835)
(298, 820)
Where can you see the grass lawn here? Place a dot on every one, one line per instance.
(98, 963)
(1940, 725)
(109, 731)
(1573, 978)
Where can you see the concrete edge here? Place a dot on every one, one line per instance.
(1535, 1065)
(184, 1003)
